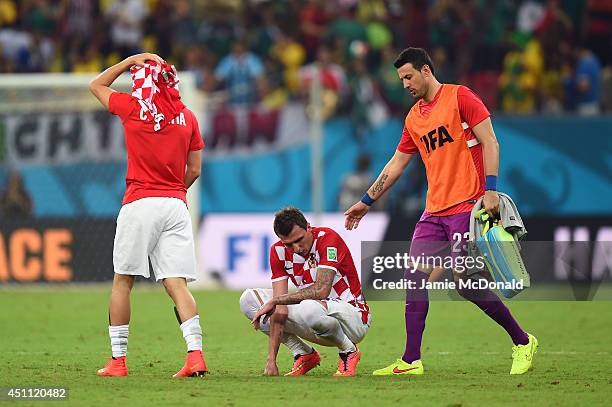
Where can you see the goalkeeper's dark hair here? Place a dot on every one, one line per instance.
(286, 218)
(418, 57)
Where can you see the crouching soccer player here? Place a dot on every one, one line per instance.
(163, 146)
(328, 309)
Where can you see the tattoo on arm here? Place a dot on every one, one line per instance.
(325, 278)
(378, 187)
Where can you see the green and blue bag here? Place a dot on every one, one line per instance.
(502, 256)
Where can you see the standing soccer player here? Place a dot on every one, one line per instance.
(328, 308)
(451, 129)
(163, 147)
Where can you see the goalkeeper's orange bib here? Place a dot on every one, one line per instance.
(440, 138)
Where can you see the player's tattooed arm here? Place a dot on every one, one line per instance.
(392, 171)
(380, 183)
(318, 291)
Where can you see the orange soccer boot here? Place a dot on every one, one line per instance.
(114, 367)
(304, 363)
(194, 365)
(347, 363)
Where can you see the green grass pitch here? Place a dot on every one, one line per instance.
(58, 337)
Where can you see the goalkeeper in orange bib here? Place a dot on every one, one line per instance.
(451, 129)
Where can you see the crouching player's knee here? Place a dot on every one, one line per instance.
(315, 317)
(324, 326)
(248, 303)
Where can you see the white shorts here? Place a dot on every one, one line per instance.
(156, 228)
(301, 316)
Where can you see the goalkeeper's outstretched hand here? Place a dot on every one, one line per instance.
(354, 215)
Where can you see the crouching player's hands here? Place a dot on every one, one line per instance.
(271, 368)
(267, 309)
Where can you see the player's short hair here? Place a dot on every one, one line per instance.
(418, 57)
(286, 218)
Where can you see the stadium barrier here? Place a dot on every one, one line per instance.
(56, 250)
(234, 248)
(73, 164)
(541, 167)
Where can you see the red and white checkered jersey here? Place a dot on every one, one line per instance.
(328, 251)
(156, 88)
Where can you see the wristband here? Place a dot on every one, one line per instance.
(491, 183)
(367, 199)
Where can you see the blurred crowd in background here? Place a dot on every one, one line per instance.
(522, 57)
(548, 57)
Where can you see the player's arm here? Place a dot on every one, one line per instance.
(319, 290)
(277, 326)
(194, 167)
(490, 147)
(100, 85)
(388, 176)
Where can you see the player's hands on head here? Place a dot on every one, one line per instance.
(266, 311)
(271, 369)
(140, 59)
(354, 215)
(490, 203)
